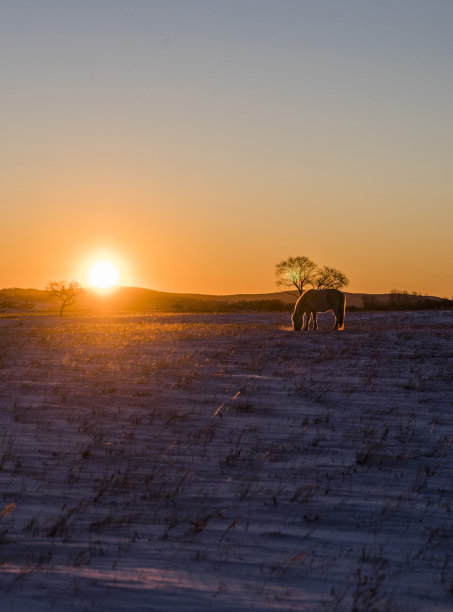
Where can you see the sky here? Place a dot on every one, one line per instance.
(197, 143)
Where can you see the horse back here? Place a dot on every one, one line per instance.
(321, 300)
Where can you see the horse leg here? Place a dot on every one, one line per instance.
(335, 326)
(315, 320)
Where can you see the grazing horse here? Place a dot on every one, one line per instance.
(319, 300)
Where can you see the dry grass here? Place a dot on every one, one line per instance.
(223, 460)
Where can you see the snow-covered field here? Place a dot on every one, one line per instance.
(224, 462)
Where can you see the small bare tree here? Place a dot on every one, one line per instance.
(330, 278)
(66, 291)
(295, 273)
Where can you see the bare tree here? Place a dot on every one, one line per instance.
(329, 278)
(295, 273)
(66, 291)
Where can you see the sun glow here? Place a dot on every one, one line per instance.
(103, 274)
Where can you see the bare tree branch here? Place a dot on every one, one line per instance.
(295, 272)
(330, 278)
(66, 291)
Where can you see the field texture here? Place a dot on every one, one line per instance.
(225, 462)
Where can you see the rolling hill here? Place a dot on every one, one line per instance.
(140, 299)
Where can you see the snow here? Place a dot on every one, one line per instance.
(224, 461)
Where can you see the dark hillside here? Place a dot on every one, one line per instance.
(139, 299)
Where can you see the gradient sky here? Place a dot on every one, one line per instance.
(199, 142)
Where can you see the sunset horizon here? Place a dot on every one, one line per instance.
(111, 289)
(92, 270)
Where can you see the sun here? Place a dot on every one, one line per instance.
(103, 274)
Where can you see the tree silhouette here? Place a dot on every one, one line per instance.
(330, 278)
(300, 272)
(66, 291)
(295, 273)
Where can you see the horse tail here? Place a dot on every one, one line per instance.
(341, 311)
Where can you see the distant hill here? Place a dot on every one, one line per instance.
(139, 299)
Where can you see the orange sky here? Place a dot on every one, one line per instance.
(198, 144)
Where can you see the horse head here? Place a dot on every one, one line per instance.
(297, 319)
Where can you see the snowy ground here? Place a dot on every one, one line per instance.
(225, 462)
